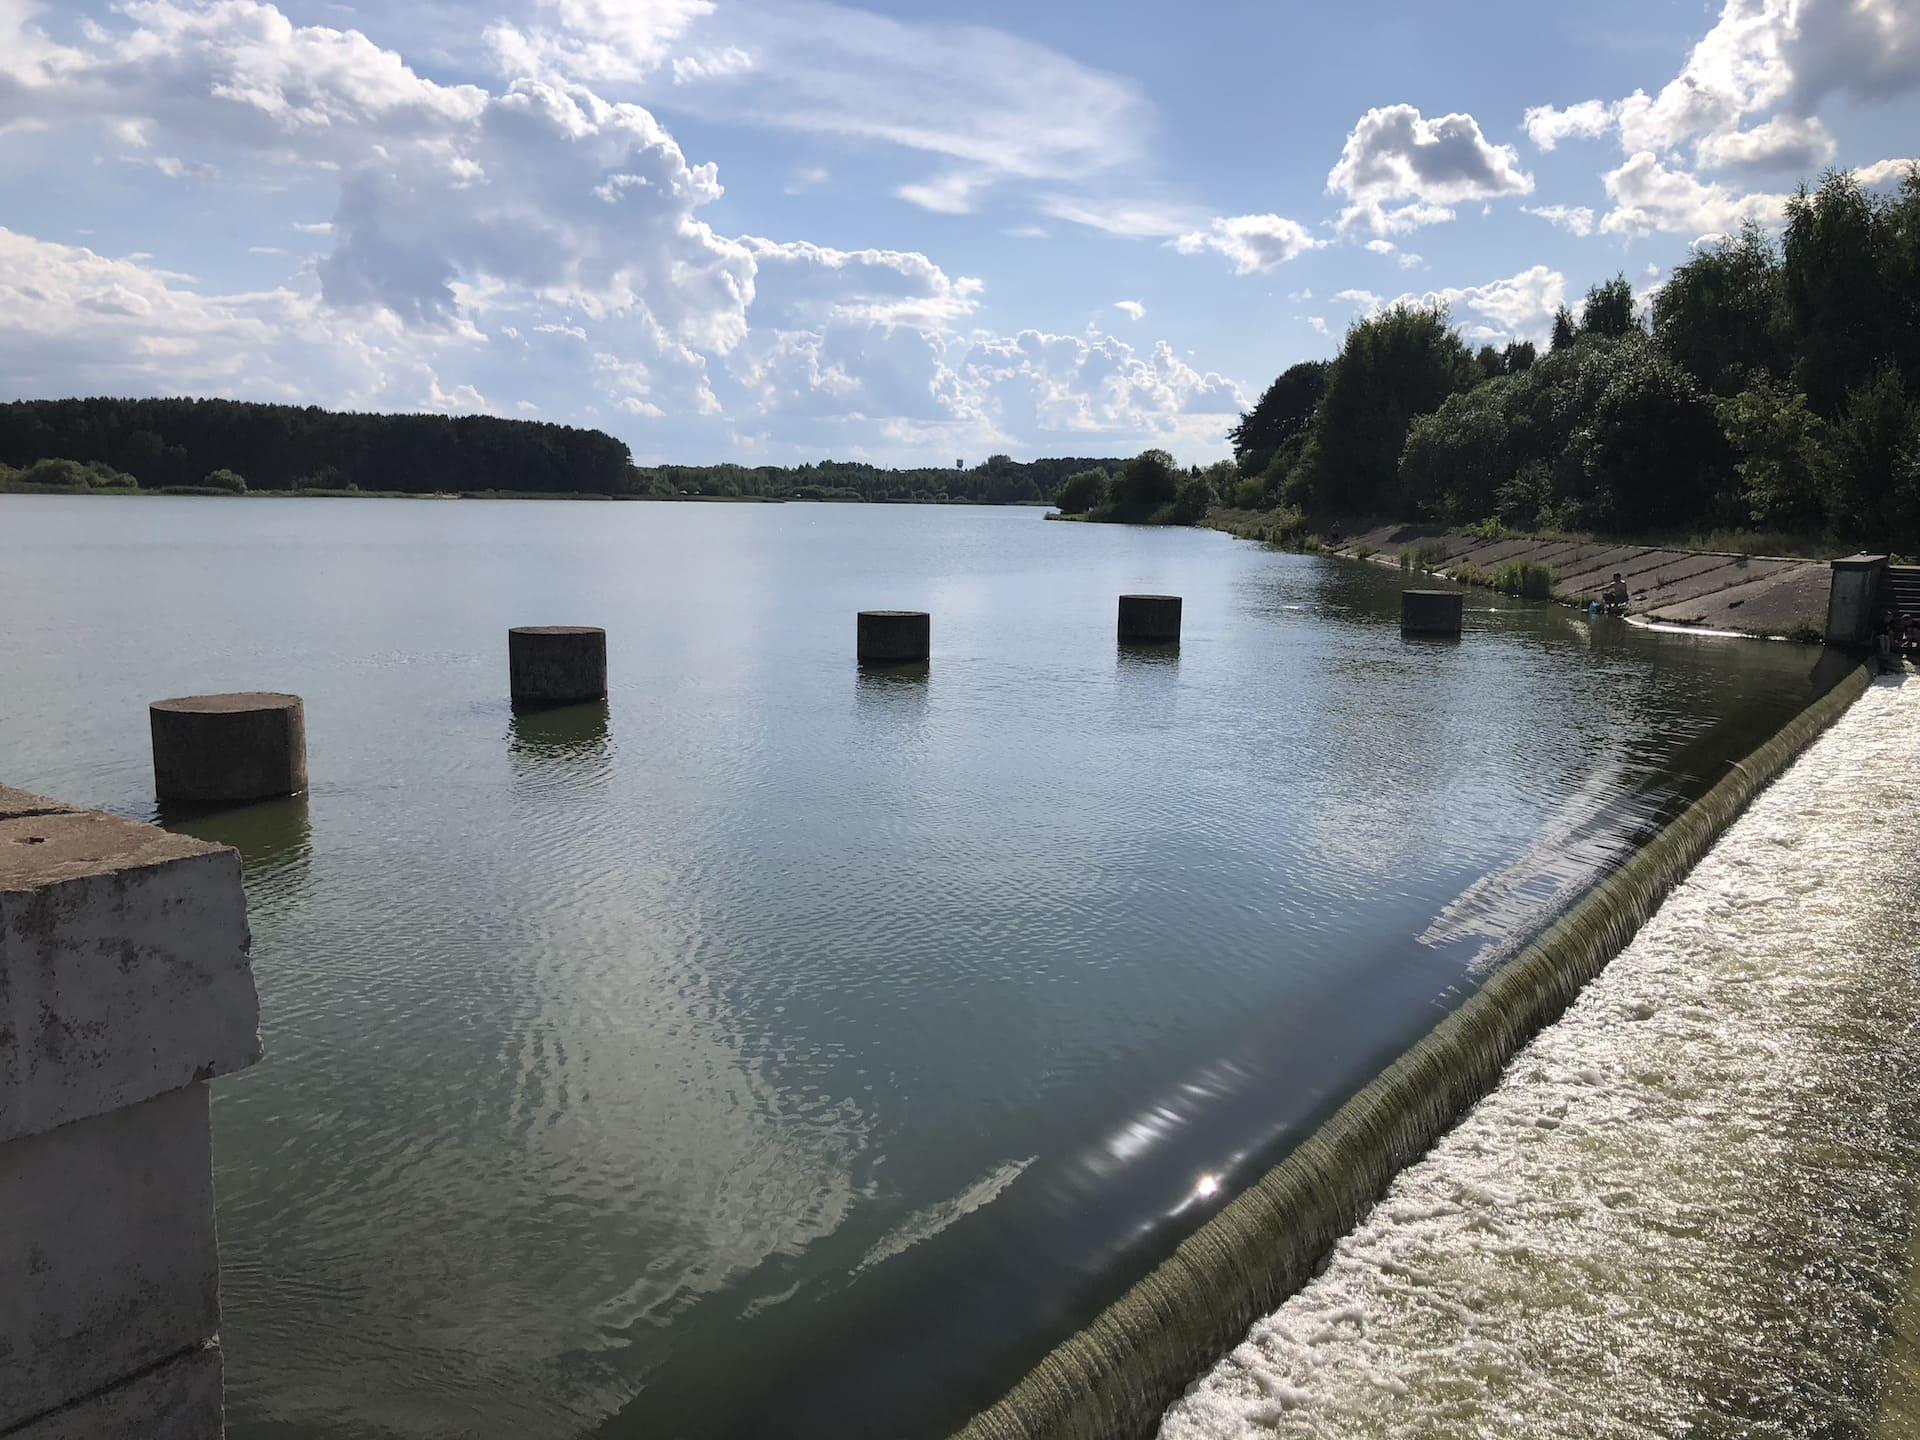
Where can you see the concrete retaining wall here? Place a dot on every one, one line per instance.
(125, 986)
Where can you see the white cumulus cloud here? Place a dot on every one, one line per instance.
(1252, 242)
(1400, 170)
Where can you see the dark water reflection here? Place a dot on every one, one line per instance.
(783, 1047)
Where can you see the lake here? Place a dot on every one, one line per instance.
(781, 1047)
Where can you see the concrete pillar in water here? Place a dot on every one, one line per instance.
(123, 951)
(894, 637)
(1853, 599)
(1431, 612)
(226, 749)
(557, 664)
(1149, 617)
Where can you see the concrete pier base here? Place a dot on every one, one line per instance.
(1431, 612)
(124, 987)
(557, 664)
(228, 749)
(1853, 599)
(1149, 619)
(894, 637)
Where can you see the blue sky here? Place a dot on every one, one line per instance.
(780, 230)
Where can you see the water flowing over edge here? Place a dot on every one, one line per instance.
(1117, 1376)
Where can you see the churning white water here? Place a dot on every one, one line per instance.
(1685, 1210)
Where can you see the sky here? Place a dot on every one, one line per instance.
(771, 231)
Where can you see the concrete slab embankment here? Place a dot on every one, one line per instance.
(1758, 595)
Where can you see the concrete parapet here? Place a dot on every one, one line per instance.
(124, 986)
(1431, 612)
(556, 664)
(123, 967)
(228, 749)
(894, 637)
(108, 1251)
(1149, 618)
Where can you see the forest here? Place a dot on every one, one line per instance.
(234, 446)
(1771, 385)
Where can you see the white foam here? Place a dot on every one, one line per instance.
(1684, 1209)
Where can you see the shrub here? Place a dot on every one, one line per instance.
(1526, 578)
(1191, 501)
(69, 474)
(1429, 554)
(1082, 492)
(226, 482)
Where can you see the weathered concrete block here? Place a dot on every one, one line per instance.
(123, 967)
(178, 1399)
(107, 1251)
(556, 664)
(1149, 617)
(1431, 612)
(228, 749)
(15, 803)
(893, 637)
(1853, 599)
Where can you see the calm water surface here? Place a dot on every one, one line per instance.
(779, 1048)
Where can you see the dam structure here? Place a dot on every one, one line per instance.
(1689, 1205)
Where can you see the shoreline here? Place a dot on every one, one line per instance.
(1673, 587)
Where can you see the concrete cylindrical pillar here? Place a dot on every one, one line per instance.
(1431, 612)
(221, 749)
(894, 637)
(556, 664)
(1149, 617)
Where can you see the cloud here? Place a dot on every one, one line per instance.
(1029, 112)
(1574, 219)
(1400, 170)
(1650, 196)
(711, 65)
(1252, 242)
(1132, 309)
(1777, 59)
(1134, 220)
(1382, 247)
(1883, 174)
(596, 41)
(1097, 386)
(1780, 144)
(949, 194)
(1518, 307)
(1548, 126)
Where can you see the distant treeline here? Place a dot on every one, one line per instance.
(998, 480)
(1778, 386)
(234, 445)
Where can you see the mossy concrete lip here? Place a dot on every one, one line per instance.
(556, 630)
(236, 702)
(897, 614)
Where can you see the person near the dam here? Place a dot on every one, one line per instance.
(1615, 596)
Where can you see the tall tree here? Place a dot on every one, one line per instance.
(1718, 316)
(1834, 290)
(1609, 310)
(1282, 412)
(1394, 366)
(1565, 332)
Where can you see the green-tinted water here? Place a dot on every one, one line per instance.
(780, 1048)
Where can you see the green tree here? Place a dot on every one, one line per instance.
(1282, 412)
(1457, 458)
(1518, 357)
(1833, 290)
(1191, 501)
(1565, 332)
(1875, 443)
(1782, 450)
(1145, 484)
(225, 480)
(1082, 492)
(1718, 316)
(1609, 311)
(1392, 368)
